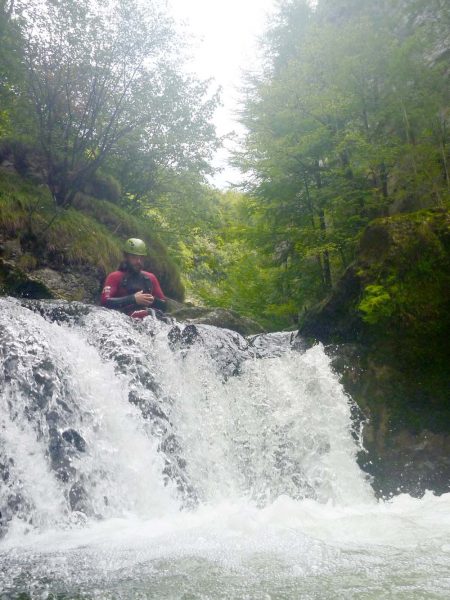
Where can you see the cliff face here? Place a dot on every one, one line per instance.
(390, 317)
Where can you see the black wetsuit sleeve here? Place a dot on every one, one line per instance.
(159, 304)
(119, 303)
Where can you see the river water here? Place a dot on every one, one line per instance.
(155, 460)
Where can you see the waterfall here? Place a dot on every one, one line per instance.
(103, 416)
(128, 445)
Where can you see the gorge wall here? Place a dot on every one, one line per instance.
(387, 324)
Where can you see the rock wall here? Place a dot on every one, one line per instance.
(387, 324)
(22, 276)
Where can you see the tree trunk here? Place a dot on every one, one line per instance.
(326, 254)
(323, 229)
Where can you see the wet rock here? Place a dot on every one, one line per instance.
(59, 458)
(16, 282)
(59, 311)
(183, 337)
(149, 408)
(74, 438)
(405, 440)
(227, 348)
(219, 317)
(276, 344)
(78, 499)
(12, 501)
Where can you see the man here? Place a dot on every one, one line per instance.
(130, 289)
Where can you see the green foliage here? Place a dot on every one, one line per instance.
(10, 66)
(406, 289)
(376, 304)
(348, 119)
(96, 108)
(102, 85)
(103, 186)
(212, 236)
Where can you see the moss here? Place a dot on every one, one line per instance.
(394, 303)
(376, 304)
(27, 262)
(405, 305)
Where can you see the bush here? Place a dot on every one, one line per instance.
(103, 186)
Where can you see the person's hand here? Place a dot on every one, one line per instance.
(143, 299)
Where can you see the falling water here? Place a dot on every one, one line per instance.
(159, 460)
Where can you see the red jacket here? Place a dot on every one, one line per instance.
(120, 287)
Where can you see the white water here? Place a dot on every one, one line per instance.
(283, 511)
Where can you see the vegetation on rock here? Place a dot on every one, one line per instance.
(89, 234)
(389, 316)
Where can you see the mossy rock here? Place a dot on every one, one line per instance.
(16, 282)
(393, 305)
(219, 317)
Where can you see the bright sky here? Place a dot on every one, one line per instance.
(225, 43)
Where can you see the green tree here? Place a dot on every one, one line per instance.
(346, 121)
(10, 67)
(101, 75)
(176, 144)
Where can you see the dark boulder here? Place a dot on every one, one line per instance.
(219, 317)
